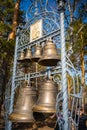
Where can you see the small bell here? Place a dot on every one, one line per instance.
(28, 55)
(37, 54)
(21, 57)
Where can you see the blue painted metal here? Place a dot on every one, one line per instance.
(63, 65)
(40, 40)
(13, 81)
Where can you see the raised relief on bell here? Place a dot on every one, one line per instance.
(36, 30)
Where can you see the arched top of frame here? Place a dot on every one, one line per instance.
(40, 11)
(39, 7)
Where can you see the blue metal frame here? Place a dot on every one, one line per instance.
(56, 31)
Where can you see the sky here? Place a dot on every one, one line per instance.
(25, 5)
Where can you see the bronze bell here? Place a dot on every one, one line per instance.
(49, 56)
(47, 98)
(23, 108)
(28, 55)
(37, 54)
(21, 57)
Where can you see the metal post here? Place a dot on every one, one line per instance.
(36, 78)
(63, 65)
(13, 81)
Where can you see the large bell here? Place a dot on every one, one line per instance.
(23, 108)
(47, 98)
(21, 57)
(49, 56)
(36, 56)
(28, 55)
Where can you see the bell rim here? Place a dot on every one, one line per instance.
(20, 60)
(43, 109)
(35, 59)
(15, 117)
(48, 62)
(27, 59)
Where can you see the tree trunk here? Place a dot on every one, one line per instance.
(69, 105)
(82, 68)
(15, 21)
(70, 84)
(83, 72)
(83, 75)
